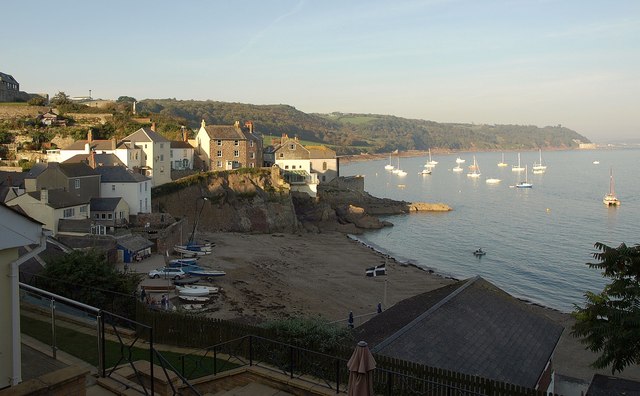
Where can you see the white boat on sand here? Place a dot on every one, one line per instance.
(196, 291)
(193, 299)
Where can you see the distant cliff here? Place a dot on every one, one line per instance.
(259, 201)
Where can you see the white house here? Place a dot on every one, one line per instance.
(324, 163)
(181, 155)
(17, 230)
(117, 181)
(294, 161)
(155, 160)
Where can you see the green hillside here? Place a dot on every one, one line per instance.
(372, 133)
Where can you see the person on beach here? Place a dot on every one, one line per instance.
(143, 294)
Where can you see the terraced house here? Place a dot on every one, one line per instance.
(226, 147)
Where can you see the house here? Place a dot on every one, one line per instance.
(95, 160)
(49, 206)
(50, 118)
(86, 147)
(471, 327)
(17, 230)
(155, 160)
(132, 248)
(107, 214)
(75, 178)
(181, 155)
(226, 147)
(11, 184)
(324, 163)
(134, 188)
(9, 88)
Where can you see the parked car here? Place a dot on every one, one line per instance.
(173, 273)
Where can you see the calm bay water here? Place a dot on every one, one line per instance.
(538, 240)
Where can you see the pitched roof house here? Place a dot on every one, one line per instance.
(76, 178)
(117, 181)
(155, 161)
(470, 327)
(226, 147)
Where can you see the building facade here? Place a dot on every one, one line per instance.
(134, 188)
(227, 147)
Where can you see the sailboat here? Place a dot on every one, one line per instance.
(460, 160)
(502, 164)
(458, 168)
(431, 162)
(475, 169)
(399, 171)
(610, 199)
(525, 183)
(518, 168)
(389, 166)
(538, 167)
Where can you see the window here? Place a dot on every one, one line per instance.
(293, 167)
(286, 167)
(250, 143)
(252, 155)
(292, 146)
(219, 142)
(146, 204)
(103, 216)
(219, 164)
(324, 165)
(83, 209)
(145, 145)
(236, 153)
(236, 142)
(184, 153)
(161, 145)
(171, 154)
(252, 165)
(113, 187)
(161, 157)
(161, 170)
(96, 216)
(219, 153)
(140, 187)
(76, 182)
(145, 186)
(110, 216)
(140, 207)
(324, 178)
(69, 212)
(281, 155)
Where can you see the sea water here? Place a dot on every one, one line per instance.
(537, 240)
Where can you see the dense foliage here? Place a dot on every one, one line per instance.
(310, 333)
(609, 323)
(87, 277)
(356, 133)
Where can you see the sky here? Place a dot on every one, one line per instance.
(528, 62)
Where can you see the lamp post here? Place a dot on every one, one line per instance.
(195, 219)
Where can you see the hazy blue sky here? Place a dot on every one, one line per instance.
(546, 62)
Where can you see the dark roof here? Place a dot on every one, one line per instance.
(134, 243)
(74, 225)
(7, 78)
(145, 135)
(35, 170)
(320, 152)
(227, 132)
(95, 145)
(12, 179)
(604, 385)
(102, 159)
(104, 204)
(59, 198)
(71, 169)
(178, 144)
(119, 174)
(471, 327)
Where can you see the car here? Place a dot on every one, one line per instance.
(173, 273)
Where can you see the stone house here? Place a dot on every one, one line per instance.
(471, 327)
(226, 147)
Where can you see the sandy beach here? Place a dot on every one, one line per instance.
(273, 276)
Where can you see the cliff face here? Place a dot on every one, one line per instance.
(260, 202)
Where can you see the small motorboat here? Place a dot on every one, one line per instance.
(193, 291)
(183, 262)
(479, 252)
(205, 273)
(193, 299)
(186, 281)
(425, 172)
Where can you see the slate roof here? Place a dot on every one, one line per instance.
(12, 179)
(7, 78)
(77, 169)
(101, 159)
(320, 152)
(121, 174)
(95, 145)
(134, 243)
(145, 135)
(179, 144)
(35, 170)
(59, 198)
(225, 132)
(74, 225)
(471, 327)
(105, 204)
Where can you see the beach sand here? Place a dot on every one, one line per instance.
(272, 276)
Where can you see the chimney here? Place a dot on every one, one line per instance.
(92, 159)
(44, 196)
(153, 126)
(202, 124)
(134, 108)
(185, 134)
(236, 124)
(87, 148)
(90, 136)
(113, 143)
(249, 124)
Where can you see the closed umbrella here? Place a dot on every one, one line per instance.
(361, 366)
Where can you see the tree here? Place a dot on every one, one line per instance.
(60, 98)
(126, 99)
(37, 101)
(609, 323)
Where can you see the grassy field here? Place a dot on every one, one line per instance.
(84, 346)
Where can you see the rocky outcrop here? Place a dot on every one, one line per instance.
(260, 201)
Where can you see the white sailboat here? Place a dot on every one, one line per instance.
(460, 161)
(493, 181)
(458, 168)
(518, 168)
(389, 166)
(431, 162)
(399, 171)
(475, 169)
(525, 183)
(502, 164)
(610, 199)
(537, 166)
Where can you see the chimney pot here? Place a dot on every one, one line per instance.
(203, 124)
(153, 126)
(90, 136)
(236, 124)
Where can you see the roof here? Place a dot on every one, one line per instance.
(35, 170)
(179, 144)
(228, 132)
(59, 198)
(101, 159)
(134, 243)
(74, 225)
(604, 385)
(95, 145)
(7, 78)
(471, 327)
(71, 169)
(105, 204)
(320, 152)
(121, 174)
(145, 135)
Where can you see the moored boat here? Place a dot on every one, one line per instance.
(194, 291)
(610, 198)
(518, 168)
(205, 273)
